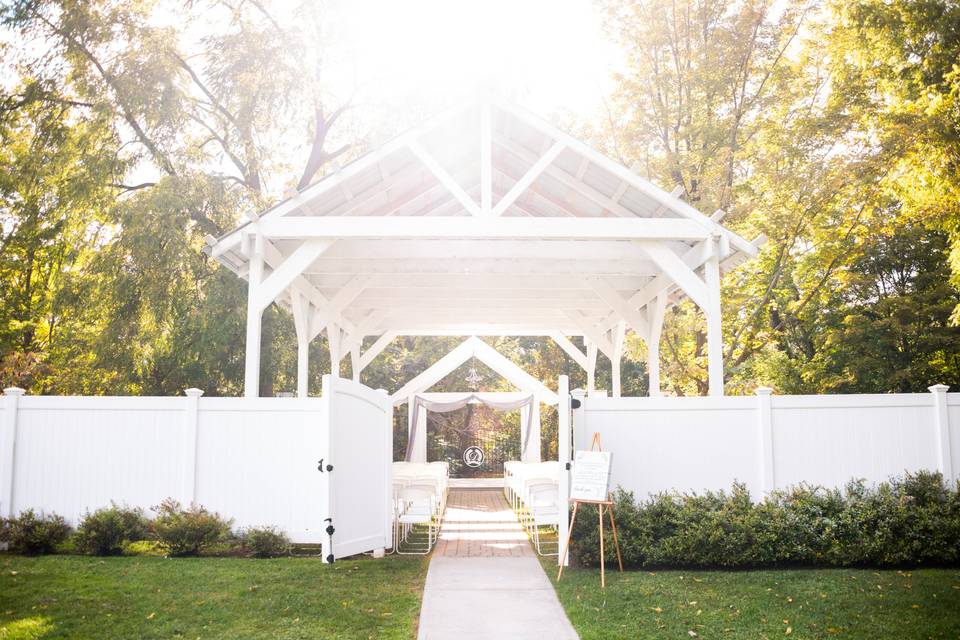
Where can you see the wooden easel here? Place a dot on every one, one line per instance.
(608, 503)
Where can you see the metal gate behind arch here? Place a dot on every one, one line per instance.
(475, 440)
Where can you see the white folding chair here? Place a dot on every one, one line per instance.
(543, 511)
(418, 508)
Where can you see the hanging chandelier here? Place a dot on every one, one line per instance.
(473, 378)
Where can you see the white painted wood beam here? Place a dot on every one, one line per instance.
(444, 177)
(618, 335)
(289, 270)
(591, 332)
(678, 271)
(486, 159)
(619, 305)
(714, 323)
(301, 323)
(251, 379)
(306, 227)
(624, 174)
(570, 349)
(528, 178)
(376, 348)
(655, 314)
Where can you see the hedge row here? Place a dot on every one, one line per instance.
(175, 531)
(909, 521)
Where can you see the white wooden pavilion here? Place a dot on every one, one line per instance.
(484, 221)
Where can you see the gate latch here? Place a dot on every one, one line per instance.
(321, 468)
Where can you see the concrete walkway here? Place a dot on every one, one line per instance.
(484, 580)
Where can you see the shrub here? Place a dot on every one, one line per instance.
(32, 534)
(265, 542)
(145, 548)
(190, 531)
(105, 531)
(913, 520)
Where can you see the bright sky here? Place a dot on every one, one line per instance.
(548, 54)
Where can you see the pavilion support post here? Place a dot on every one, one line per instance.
(334, 343)
(591, 364)
(251, 381)
(655, 313)
(711, 271)
(619, 335)
(355, 361)
(534, 440)
(301, 322)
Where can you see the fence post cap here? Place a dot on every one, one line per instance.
(14, 391)
(193, 392)
(939, 388)
(764, 391)
(580, 393)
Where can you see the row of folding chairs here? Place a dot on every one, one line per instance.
(533, 491)
(419, 500)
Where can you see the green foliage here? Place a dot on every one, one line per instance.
(265, 542)
(191, 531)
(106, 531)
(148, 548)
(32, 534)
(910, 521)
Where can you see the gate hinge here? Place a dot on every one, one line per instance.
(567, 465)
(330, 529)
(321, 468)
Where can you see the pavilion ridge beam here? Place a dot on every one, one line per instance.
(444, 177)
(304, 227)
(284, 275)
(528, 178)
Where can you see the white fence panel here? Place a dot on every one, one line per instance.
(360, 451)
(256, 462)
(75, 454)
(697, 444)
(827, 440)
(660, 444)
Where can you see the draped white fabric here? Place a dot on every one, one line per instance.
(529, 419)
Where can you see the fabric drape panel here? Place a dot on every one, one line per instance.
(459, 403)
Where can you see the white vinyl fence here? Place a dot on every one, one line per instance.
(768, 441)
(251, 459)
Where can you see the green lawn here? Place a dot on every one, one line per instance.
(78, 597)
(827, 603)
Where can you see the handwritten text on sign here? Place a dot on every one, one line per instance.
(591, 475)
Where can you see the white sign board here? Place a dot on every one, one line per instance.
(591, 475)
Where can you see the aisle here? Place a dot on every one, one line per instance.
(484, 580)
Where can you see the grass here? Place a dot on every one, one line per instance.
(800, 603)
(79, 597)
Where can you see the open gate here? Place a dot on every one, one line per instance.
(355, 457)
